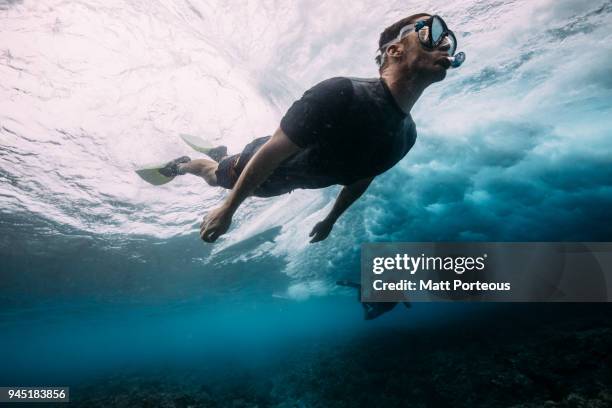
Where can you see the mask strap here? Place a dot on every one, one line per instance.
(380, 57)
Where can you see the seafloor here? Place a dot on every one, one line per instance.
(520, 356)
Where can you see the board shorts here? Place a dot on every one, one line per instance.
(230, 168)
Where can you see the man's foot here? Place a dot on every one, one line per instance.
(171, 169)
(217, 153)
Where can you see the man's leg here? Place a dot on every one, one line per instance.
(202, 168)
(222, 171)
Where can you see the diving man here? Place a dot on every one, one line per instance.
(342, 131)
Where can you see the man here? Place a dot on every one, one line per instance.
(342, 131)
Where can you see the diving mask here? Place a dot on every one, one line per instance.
(433, 33)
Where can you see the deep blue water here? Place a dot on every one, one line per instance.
(66, 344)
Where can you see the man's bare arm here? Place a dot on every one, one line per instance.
(259, 168)
(348, 195)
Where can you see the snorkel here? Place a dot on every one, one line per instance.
(457, 60)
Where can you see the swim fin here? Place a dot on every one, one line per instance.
(162, 174)
(151, 175)
(217, 153)
(197, 143)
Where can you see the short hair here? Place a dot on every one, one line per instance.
(393, 30)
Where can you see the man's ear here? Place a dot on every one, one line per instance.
(395, 50)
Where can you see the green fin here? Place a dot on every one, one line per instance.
(197, 143)
(151, 175)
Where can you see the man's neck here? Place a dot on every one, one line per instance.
(405, 88)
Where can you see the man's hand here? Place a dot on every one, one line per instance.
(321, 231)
(215, 224)
(347, 196)
(257, 170)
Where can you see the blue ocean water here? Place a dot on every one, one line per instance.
(103, 275)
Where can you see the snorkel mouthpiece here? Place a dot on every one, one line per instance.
(457, 60)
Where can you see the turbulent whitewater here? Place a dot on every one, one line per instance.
(514, 145)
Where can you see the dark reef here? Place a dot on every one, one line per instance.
(523, 356)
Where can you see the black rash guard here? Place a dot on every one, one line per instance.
(348, 128)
